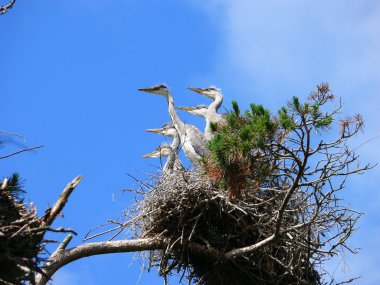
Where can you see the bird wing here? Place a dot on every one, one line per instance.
(197, 140)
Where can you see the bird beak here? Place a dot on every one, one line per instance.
(156, 131)
(184, 108)
(148, 90)
(152, 154)
(198, 90)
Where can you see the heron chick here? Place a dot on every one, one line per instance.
(199, 110)
(191, 139)
(212, 115)
(172, 163)
(165, 150)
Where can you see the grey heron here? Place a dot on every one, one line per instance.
(172, 163)
(170, 151)
(191, 139)
(167, 130)
(199, 110)
(212, 111)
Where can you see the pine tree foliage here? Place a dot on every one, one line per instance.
(242, 149)
(238, 148)
(15, 187)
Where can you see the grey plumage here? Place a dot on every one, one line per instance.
(173, 162)
(212, 115)
(191, 139)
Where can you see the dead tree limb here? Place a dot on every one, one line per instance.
(62, 257)
(61, 202)
(5, 8)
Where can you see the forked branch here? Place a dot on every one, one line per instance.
(62, 257)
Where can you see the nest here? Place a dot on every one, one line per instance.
(20, 243)
(186, 208)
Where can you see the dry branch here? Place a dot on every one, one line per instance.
(62, 257)
(5, 8)
(62, 200)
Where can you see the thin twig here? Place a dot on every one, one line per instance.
(20, 151)
(14, 135)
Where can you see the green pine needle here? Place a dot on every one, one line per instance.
(14, 186)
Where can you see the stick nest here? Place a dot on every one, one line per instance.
(186, 208)
(20, 239)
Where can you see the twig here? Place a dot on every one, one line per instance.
(5, 8)
(6, 282)
(55, 230)
(14, 135)
(20, 151)
(367, 141)
(102, 233)
(349, 281)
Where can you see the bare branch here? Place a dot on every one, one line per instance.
(20, 151)
(62, 200)
(249, 249)
(5, 8)
(63, 257)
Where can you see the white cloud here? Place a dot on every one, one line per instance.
(295, 40)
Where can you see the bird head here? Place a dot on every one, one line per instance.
(167, 130)
(200, 110)
(210, 92)
(160, 89)
(162, 151)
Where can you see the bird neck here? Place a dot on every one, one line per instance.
(212, 115)
(169, 97)
(172, 157)
(178, 124)
(208, 131)
(215, 105)
(175, 143)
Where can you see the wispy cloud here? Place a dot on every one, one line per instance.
(293, 40)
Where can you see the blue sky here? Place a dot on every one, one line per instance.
(70, 69)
